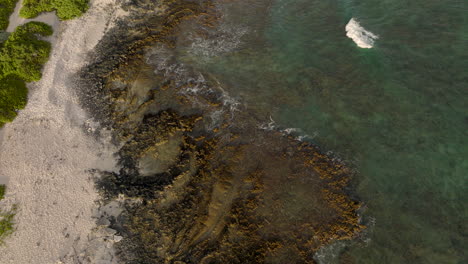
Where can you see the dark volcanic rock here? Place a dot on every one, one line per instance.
(204, 183)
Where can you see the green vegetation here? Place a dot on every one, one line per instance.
(23, 54)
(66, 9)
(6, 8)
(13, 97)
(3, 36)
(21, 58)
(2, 191)
(6, 218)
(6, 224)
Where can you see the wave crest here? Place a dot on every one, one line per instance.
(360, 36)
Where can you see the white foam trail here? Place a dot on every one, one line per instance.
(297, 132)
(228, 39)
(360, 36)
(330, 254)
(268, 126)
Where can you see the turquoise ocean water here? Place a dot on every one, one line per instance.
(397, 112)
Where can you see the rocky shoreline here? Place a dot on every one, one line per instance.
(200, 182)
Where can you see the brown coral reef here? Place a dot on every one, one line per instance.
(204, 182)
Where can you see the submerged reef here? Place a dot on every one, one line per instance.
(201, 180)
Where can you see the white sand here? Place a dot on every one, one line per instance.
(46, 153)
(360, 36)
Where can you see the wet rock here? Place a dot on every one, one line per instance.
(231, 192)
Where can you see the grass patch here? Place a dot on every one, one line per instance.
(66, 9)
(6, 9)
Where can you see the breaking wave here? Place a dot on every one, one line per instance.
(360, 36)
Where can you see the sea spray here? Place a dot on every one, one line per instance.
(362, 37)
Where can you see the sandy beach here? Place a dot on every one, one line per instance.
(46, 154)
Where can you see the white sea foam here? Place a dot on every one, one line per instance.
(227, 39)
(329, 254)
(291, 131)
(362, 37)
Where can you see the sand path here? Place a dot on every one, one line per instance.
(15, 19)
(46, 154)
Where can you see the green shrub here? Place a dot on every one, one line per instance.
(2, 191)
(6, 224)
(13, 97)
(23, 54)
(6, 9)
(32, 8)
(6, 219)
(66, 9)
